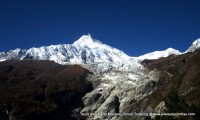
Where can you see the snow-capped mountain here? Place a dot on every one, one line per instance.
(93, 51)
(195, 45)
(84, 50)
(16, 54)
(160, 54)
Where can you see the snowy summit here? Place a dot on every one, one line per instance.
(86, 40)
(85, 50)
(160, 54)
(195, 45)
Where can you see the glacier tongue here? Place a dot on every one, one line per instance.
(115, 85)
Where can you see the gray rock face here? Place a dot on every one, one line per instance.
(117, 89)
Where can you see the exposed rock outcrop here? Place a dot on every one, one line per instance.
(117, 89)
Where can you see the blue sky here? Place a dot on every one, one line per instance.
(134, 26)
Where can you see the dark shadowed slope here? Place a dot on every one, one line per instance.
(178, 86)
(38, 90)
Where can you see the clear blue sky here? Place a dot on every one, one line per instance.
(134, 26)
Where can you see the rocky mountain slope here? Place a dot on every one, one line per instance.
(115, 86)
(39, 90)
(178, 86)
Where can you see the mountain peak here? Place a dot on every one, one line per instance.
(172, 50)
(160, 54)
(195, 45)
(196, 41)
(83, 51)
(86, 40)
(86, 37)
